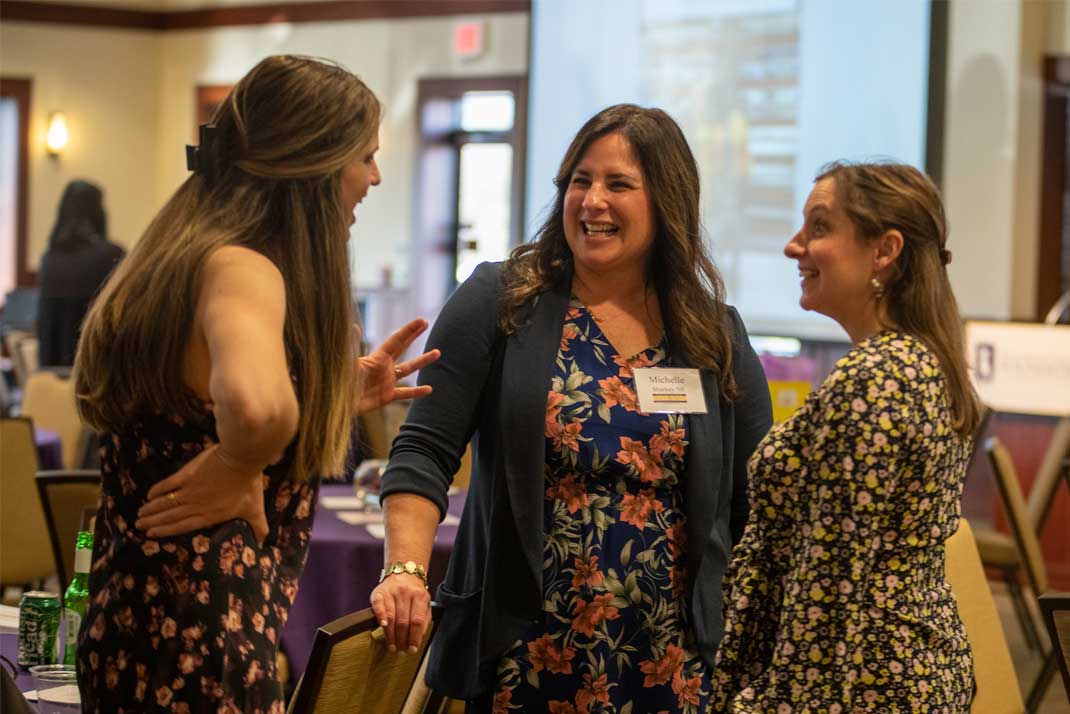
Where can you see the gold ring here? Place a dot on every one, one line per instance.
(172, 499)
(397, 371)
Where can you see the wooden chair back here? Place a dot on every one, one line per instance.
(49, 400)
(1025, 536)
(997, 683)
(23, 531)
(66, 498)
(350, 671)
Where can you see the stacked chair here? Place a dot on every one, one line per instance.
(1000, 551)
(1027, 546)
(1056, 609)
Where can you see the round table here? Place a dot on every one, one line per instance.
(49, 449)
(9, 649)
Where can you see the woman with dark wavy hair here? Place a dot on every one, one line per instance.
(586, 572)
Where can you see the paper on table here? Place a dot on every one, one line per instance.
(9, 618)
(378, 530)
(339, 502)
(359, 518)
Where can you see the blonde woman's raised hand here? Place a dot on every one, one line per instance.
(379, 372)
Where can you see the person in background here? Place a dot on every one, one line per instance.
(586, 571)
(836, 596)
(219, 363)
(78, 260)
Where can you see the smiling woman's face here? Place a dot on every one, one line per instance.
(358, 176)
(608, 216)
(835, 265)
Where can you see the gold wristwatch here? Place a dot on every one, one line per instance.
(410, 567)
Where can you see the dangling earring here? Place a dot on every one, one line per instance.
(878, 288)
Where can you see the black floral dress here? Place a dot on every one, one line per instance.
(192, 623)
(614, 636)
(836, 597)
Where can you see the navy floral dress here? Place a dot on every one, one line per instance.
(614, 636)
(192, 623)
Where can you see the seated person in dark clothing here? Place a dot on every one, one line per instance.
(73, 269)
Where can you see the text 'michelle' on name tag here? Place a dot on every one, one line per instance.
(662, 391)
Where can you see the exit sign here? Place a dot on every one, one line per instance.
(468, 40)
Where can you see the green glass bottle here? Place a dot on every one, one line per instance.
(77, 595)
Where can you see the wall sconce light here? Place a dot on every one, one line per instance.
(56, 139)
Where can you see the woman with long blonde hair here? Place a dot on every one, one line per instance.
(219, 364)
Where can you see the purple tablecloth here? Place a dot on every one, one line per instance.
(9, 648)
(49, 449)
(342, 570)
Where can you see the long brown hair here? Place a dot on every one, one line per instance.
(917, 296)
(283, 136)
(690, 290)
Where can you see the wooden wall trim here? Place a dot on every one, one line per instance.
(1057, 69)
(936, 111)
(85, 15)
(21, 90)
(1053, 257)
(322, 11)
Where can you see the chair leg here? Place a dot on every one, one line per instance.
(1043, 680)
(1021, 610)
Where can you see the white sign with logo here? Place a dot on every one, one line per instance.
(1020, 367)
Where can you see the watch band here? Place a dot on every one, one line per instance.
(398, 567)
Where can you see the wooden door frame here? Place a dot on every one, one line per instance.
(21, 90)
(1053, 253)
(429, 88)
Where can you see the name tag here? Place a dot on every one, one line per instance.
(669, 391)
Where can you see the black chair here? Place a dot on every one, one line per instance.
(11, 699)
(1056, 609)
(68, 499)
(20, 310)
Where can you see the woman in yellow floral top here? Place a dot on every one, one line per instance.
(836, 598)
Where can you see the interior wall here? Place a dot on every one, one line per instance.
(129, 97)
(389, 55)
(128, 128)
(107, 83)
(980, 151)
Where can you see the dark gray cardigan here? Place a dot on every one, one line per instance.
(491, 389)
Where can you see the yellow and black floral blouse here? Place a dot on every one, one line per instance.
(836, 599)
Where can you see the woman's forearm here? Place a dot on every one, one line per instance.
(254, 426)
(411, 521)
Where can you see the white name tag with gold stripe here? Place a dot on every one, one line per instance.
(669, 391)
